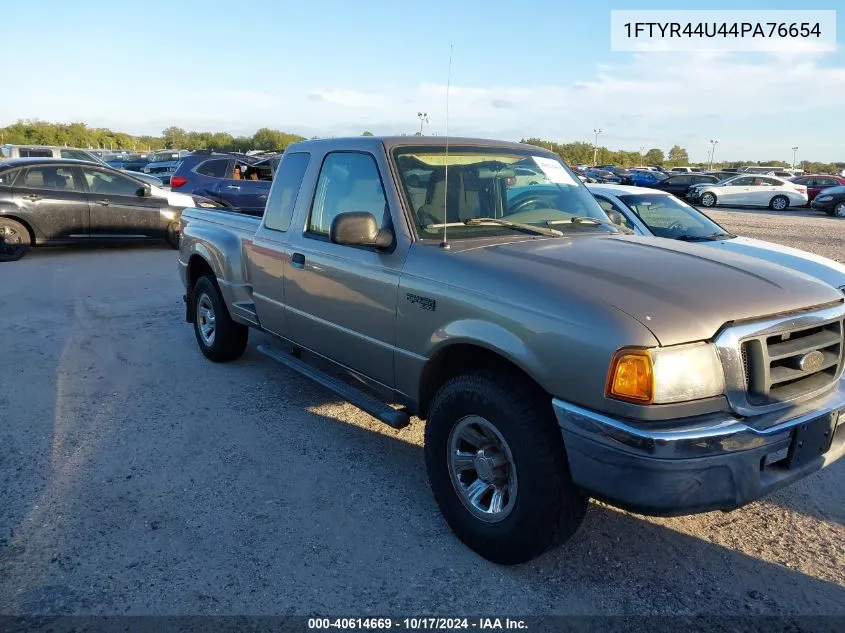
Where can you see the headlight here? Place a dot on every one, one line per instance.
(665, 374)
(824, 198)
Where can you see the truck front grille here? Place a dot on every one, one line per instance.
(787, 365)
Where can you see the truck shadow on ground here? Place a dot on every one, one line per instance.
(275, 495)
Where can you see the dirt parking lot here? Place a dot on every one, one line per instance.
(137, 477)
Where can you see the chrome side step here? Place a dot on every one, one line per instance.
(396, 418)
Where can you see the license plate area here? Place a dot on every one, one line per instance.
(811, 440)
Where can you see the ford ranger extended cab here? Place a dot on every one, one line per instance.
(552, 357)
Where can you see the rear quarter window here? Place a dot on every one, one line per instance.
(285, 191)
(215, 168)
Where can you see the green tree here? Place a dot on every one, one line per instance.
(654, 156)
(678, 156)
(366, 133)
(174, 137)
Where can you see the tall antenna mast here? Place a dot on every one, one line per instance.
(444, 243)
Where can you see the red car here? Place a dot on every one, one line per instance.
(816, 182)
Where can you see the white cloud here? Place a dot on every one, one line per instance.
(653, 99)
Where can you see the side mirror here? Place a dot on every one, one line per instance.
(615, 217)
(145, 191)
(359, 228)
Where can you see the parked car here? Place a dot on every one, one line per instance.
(753, 190)
(59, 201)
(681, 170)
(162, 165)
(602, 175)
(551, 357)
(679, 184)
(48, 151)
(622, 173)
(135, 162)
(645, 178)
(649, 212)
(233, 180)
(817, 182)
(831, 201)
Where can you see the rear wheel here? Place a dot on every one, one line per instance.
(839, 210)
(220, 338)
(779, 203)
(497, 467)
(708, 199)
(14, 240)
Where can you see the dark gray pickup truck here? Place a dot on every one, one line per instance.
(552, 357)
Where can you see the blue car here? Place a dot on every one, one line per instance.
(233, 180)
(644, 178)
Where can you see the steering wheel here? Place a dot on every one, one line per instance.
(520, 206)
(675, 226)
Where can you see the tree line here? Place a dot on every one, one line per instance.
(578, 153)
(581, 153)
(80, 135)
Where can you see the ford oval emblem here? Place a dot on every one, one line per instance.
(811, 361)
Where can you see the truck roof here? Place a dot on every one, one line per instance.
(389, 142)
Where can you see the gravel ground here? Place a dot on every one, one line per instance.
(138, 478)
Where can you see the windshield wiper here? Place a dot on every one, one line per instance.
(540, 230)
(705, 238)
(585, 219)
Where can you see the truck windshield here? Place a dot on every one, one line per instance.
(492, 182)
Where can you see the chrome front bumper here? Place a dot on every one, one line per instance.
(718, 461)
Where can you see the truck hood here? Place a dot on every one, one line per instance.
(822, 268)
(680, 292)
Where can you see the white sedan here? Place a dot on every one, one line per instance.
(659, 213)
(750, 190)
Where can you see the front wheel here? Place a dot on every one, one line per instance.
(779, 203)
(14, 240)
(172, 235)
(219, 337)
(839, 210)
(708, 199)
(497, 467)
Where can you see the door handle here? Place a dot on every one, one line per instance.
(233, 187)
(297, 260)
(33, 197)
(105, 203)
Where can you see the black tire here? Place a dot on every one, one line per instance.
(708, 199)
(228, 339)
(548, 508)
(172, 235)
(776, 202)
(15, 240)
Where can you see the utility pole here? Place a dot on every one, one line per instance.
(794, 151)
(596, 131)
(713, 143)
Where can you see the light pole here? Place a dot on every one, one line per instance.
(713, 143)
(423, 116)
(596, 131)
(794, 151)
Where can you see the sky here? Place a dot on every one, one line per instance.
(331, 68)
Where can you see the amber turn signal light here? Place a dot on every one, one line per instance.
(631, 376)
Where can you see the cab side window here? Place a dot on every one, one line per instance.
(349, 181)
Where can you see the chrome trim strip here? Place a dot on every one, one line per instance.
(728, 345)
(698, 437)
